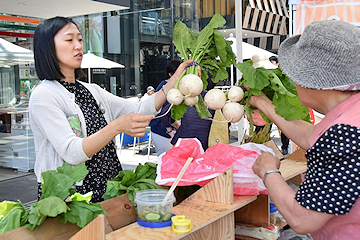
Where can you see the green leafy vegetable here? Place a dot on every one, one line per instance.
(58, 186)
(12, 215)
(131, 182)
(209, 50)
(277, 87)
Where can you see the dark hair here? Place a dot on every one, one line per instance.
(46, 62)
(273, 58)
(171, 67)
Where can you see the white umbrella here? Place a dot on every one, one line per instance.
(249, 50)
(92, 61)
(13, 54)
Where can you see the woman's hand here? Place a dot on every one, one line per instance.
(133, 124)
(256, 100)
(264, 162)
(179, 70)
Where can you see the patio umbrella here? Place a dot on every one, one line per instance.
(11, 54)
(248, 50)
(92, 61)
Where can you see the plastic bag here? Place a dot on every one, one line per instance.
(210, 164)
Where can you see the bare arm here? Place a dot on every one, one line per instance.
(133, 124)
(298, 131)
(300, 219)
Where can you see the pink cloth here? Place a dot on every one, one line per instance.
(347, 226)
(344, 227)
(257, 118)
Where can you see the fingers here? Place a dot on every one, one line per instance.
(134, 124)
(199, 70)
(264, 162)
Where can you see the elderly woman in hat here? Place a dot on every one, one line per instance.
(324, 63)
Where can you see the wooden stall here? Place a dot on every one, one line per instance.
(214, 211)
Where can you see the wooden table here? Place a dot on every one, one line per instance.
(213, 211)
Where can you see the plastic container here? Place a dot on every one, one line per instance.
(151, 210)
(273, 213)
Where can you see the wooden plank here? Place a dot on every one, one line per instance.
(269, 22)
(247, 17)
(266, 5)
(262, 21)
(276, 24)
(119, 206)
(199, 212)
(255, 214)
(19, 19)
(96, 230)
(219, 190)
(51, 228)
(271, 144)
(224, 228)
(254, 19)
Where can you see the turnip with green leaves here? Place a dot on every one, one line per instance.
(233, 111)
(174, 96)
(191, 101)
(211, 53)
(235, 94)
(190, 85)
(215, 99)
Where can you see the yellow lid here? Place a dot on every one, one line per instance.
(180, 224)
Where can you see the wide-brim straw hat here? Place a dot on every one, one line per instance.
(262, 60)
(325, 56)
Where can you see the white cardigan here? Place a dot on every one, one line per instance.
(49, 107)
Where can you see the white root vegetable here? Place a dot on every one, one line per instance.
(235, 94)
(215, 99)
(233, 111)
(191, 101)
(174, 96)
(191, 85)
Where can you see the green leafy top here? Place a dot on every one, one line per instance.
(129, 181)
(57, 189)
(209, 50)
(277, 87)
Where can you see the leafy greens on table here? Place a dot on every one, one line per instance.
(57, 189)
(129, 181)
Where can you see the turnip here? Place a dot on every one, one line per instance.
(191, 85)
(233, 111)
(174, 96)
(191, 101)
(215, 99)
(235, 94)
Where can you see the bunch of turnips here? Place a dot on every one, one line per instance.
(190, 87)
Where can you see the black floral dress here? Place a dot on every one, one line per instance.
(104, 165)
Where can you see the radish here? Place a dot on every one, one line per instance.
(233, 111)
(174, 96)
(235, 94)
(191, 101)
(215, 99)
(191, 85)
